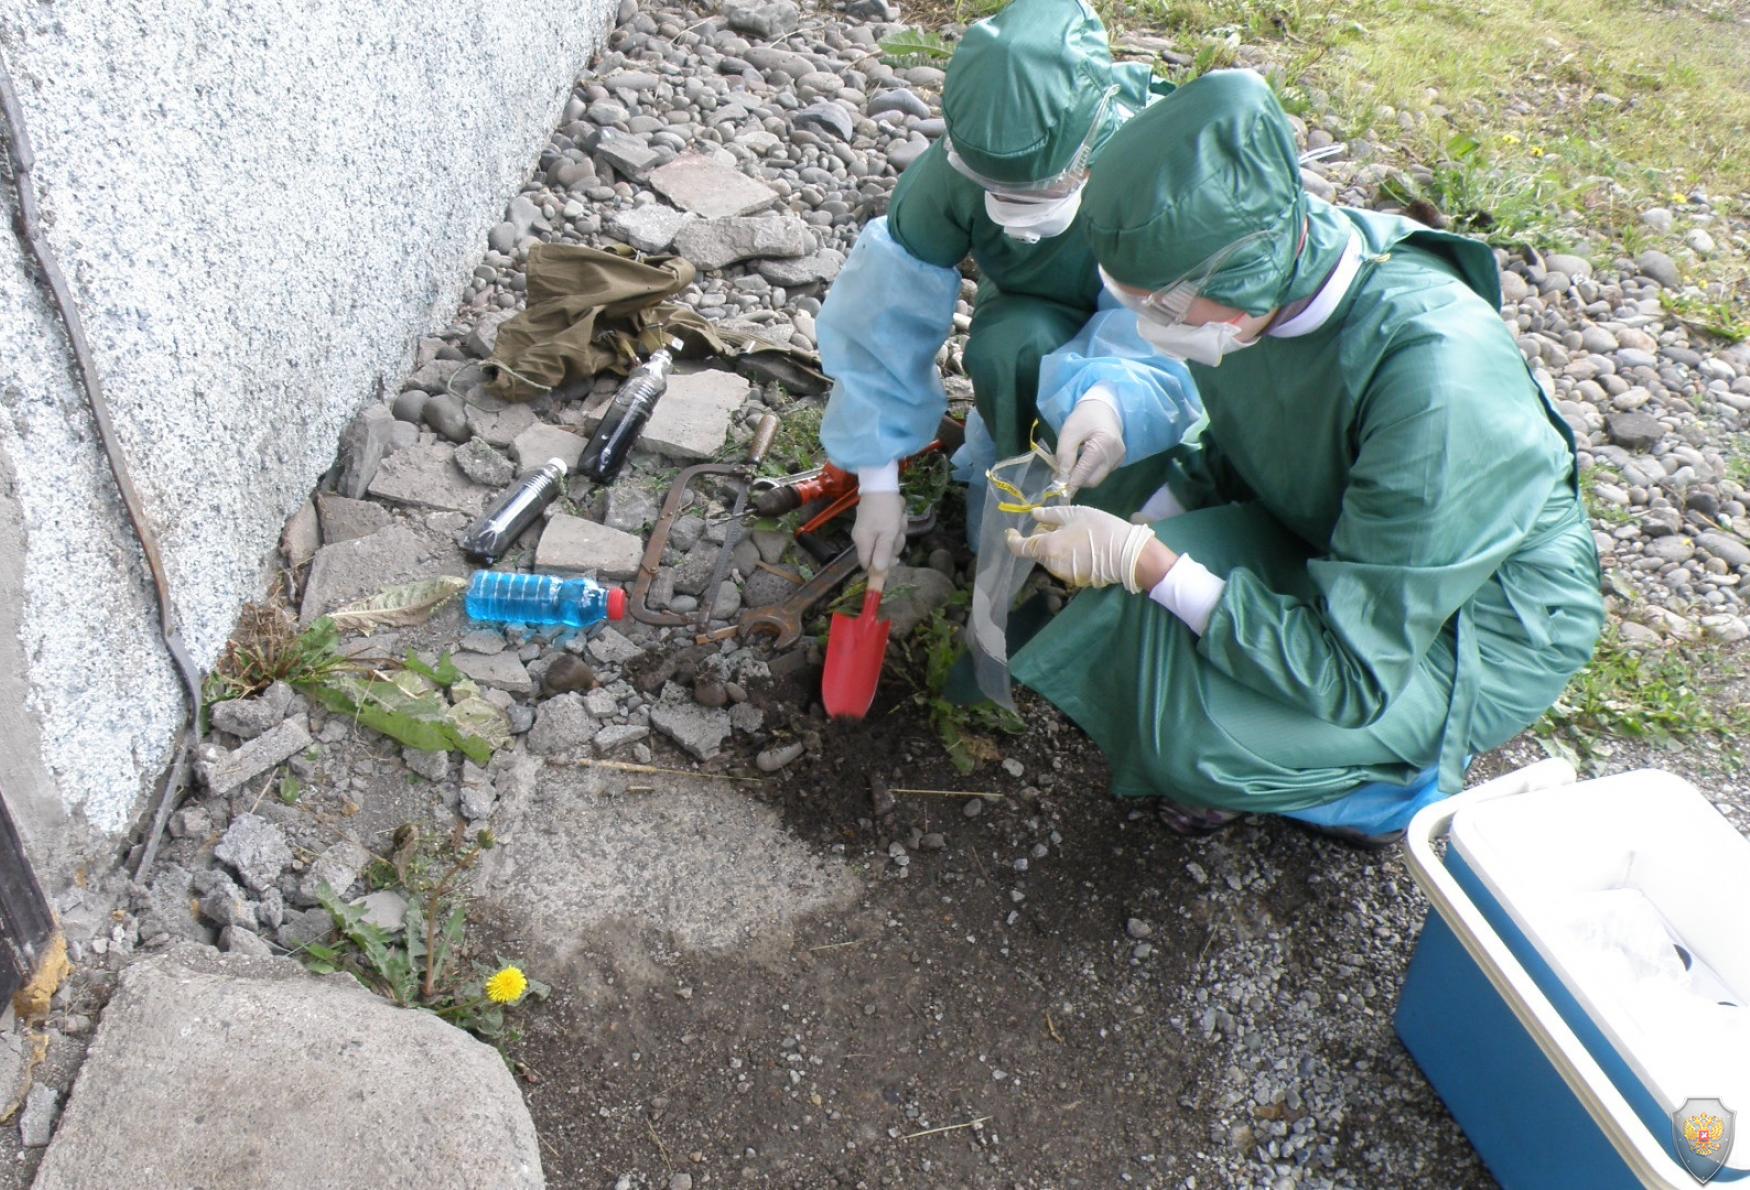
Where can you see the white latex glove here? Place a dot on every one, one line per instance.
(1084, 546)
(879, 533)
(1091, 444)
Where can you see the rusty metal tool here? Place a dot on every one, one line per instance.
(783, 621)
(777, 499)
(638, 604)
(762, 442)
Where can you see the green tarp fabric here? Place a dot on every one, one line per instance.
(593, 310)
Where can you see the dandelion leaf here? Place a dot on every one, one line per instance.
(401, 606)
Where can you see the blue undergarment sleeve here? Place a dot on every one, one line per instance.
(1156, 396)
(884, 319)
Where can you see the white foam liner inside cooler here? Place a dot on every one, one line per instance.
(1636, 892)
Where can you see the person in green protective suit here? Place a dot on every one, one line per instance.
(1031, 95)
(1376, 564)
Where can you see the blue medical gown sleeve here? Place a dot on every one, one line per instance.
(883, 321)
(1156, 396)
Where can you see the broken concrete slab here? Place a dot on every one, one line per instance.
(247, 718)
(609, 738)
(426, 476)
(610, 647)
(574, 544)
(496, 671)
(386, 909)
(362, 449)
(700, 731)
(343, 519)
(628, 154)
(329, 1073)
(301, 537)
(714, 872)
(484, 464)
(169, 906)
(719, 243)
(630, 509)
(540, 442)
(649, 228)
(693, 574)
(692, 419)
(223, 770)
(480, 341)
(339, 865)
(36, 1123)
(500, 427)
(256, 849)
(359, 567)
(697, 183)
(813, 269)
(563, 726)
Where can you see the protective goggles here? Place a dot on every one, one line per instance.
(1059, 185)
(1168, 305)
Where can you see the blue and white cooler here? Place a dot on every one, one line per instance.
(1580, 994)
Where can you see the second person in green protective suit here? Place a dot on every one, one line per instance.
(1376, 565)
(1030, 97)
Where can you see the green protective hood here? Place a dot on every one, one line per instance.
(1207, 165)
(1024, 87)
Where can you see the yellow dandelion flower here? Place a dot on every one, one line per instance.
(507, 986)
(1509, 139)
(1537, 150)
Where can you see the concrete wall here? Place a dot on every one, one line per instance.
(260, 205)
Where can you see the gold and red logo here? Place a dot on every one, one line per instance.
(1702, 1132)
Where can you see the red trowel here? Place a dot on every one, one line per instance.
(855, 651)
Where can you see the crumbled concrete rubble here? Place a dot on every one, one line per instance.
(339, 1086)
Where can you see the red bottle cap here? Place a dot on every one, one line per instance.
(617, 604)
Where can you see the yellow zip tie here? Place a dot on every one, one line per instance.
(1020, 505)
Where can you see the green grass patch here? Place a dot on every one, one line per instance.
(796, 445)
(1598, 508)
(1577, 114)
(1721, 318)
(928, 657)
(1660, 696)
(427, 963)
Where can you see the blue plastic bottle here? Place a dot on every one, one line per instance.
(506, 597)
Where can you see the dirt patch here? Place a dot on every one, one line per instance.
(1038, 966)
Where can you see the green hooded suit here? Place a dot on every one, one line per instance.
(1410, 575)
(1022, 94)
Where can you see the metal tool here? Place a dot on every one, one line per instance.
(837, 486)
(762, 442)
(638, 605)
(783, 621)
(826, 481)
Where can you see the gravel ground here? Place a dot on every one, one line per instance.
(1148, 1009)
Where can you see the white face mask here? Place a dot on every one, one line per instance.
(1205, 344)
(1031, 222)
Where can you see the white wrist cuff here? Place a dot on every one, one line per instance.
(884, 478)
(1190, 591)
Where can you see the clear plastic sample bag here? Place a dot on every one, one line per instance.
(1013, 488)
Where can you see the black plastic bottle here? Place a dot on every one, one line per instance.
(624, 419)
(515, 511)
